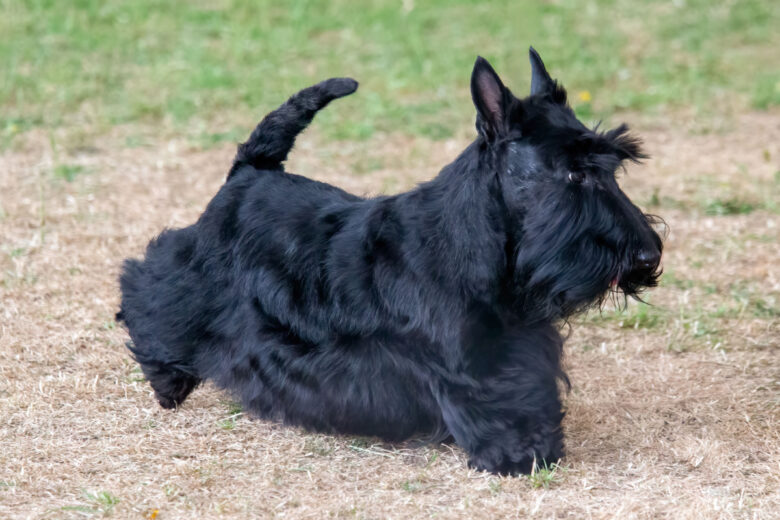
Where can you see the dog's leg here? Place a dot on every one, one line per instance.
(509, 418)
(171, 385)
(506, 430)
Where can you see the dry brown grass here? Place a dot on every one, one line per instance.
(676, 418)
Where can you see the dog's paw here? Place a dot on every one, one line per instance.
(501, 462)
(516, 453)
(165, 402)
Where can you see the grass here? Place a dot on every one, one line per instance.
(234, 408)
(412, 486)
(101, 503)
(730, 206)
(116, 119)
(68, 172)
(191, 66)
(703, 313)
(227, 424)
(136, 375)
(720, 206)
(545, 476)
(235, 411)
(679, 391)
(318, 446)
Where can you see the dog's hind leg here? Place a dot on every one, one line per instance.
(274, 137)
(171, 385)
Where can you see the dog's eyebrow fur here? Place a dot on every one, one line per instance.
(627, 144)
(607, 149)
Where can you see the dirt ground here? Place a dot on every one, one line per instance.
(674, 412)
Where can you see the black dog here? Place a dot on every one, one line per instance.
(434, 313)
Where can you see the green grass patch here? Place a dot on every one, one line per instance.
(657, 200)
(68, 172)
(643, 317)
(704, 316)
(730, 206)
(101, 503)
(227, 424)
(135, 375)
(235, 411)
(671, 279)
(729, 202)
(235, 408)
(766, 92)
(317, 446)
(635, 315)
(545, 476)
(181, 64)
(412, 486)
(687, 326)
(361, 442)
(749, 300)
(211, 139)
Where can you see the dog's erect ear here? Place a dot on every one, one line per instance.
(490, 97)
(541, 82)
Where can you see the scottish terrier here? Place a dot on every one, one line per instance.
(434, 313)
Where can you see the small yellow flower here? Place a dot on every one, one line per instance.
(153, 514)
(584, 96)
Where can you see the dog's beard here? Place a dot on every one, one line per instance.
(558, 286)
(563, 266)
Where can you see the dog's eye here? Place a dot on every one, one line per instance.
(576, 177)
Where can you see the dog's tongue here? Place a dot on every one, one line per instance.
(613, 283)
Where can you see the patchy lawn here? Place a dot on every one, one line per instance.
(118, 118)
(674, 410)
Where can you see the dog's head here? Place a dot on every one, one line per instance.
(576, 235)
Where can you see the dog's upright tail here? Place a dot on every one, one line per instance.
(274, 137)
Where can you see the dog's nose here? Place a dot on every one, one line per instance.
(647, 260)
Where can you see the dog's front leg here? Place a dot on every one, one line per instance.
(509, 418)
(506, 430)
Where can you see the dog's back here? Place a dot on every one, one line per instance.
(249, 297)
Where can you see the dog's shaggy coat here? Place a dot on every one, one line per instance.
(431, 313)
